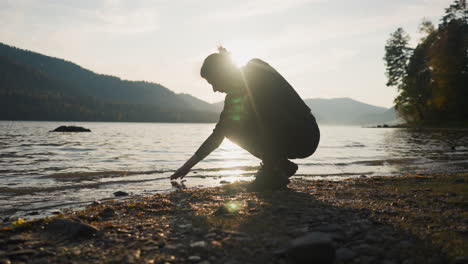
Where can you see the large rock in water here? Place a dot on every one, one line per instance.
(315, 247)
(71, 129)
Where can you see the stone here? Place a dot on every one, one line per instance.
(70, 129)
(408, 261)
(185, 226)
(216, 243)
(367, 250)
(33, 213)
(386, 261)
(460, 260)
(194, 258)
(459, 181)
(368, 260)
(21, 252)
(344, 254)
(373, 237)
(353, 231)
(251, 203)
(299, 231)
(221, 211)
(405, 244)
(133, 256)
(210, 235)
(328, 228)
(338, 236)
(108, 212)
(45, 253)
(173, 246)
(120, 193)
(70, 228)
(236, 233)
(201, 244)
(241, 239)
(315, 247)
(17, 239)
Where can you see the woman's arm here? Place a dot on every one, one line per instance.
(182, 171)
(210, 144)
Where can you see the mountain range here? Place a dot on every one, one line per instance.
(38, 87)
(346, 111)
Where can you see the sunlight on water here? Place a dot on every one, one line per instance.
(232, 157)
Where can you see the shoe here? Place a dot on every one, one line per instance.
(269, 179)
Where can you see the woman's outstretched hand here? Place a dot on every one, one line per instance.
(180, 173)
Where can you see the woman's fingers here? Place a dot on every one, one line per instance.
(180, 173)
(175, 175)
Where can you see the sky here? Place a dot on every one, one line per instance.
(325, 49)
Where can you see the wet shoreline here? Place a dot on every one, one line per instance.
(414, 218)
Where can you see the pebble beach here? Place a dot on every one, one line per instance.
(414, 218)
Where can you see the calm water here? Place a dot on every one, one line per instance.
(46, 172)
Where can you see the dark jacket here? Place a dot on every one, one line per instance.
(268, 103)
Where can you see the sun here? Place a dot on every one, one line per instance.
(239, 58)
(241, 52)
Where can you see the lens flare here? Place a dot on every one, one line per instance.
(233, 206)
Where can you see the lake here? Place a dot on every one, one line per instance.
(42, 172)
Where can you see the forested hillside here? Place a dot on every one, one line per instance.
(38, 87)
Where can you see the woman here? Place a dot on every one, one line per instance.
(262, 114)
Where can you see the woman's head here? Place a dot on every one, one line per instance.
(220, 71)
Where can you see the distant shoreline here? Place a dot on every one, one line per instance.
(424, 126)
(94, 121)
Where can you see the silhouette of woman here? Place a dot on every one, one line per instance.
(263, 114)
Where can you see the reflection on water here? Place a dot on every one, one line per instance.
(42, 171)
(229, 156)
(430, 150)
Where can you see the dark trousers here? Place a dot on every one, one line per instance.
(294, 139)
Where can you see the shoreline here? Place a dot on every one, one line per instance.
(417, 218)
(454, 126)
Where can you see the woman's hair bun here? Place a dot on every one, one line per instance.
(223, 50)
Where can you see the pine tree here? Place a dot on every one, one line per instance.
(397, 54)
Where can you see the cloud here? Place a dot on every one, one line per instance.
(246, 8)
(110, 16)
(340, 32)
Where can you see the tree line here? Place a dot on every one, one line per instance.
(27, 93)
(38, 87)
(432, 78)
